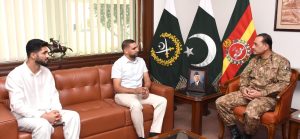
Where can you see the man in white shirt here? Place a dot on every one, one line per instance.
(34, 100)
(128, 74)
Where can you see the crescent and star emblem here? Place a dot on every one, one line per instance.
(163, 47)
(212, 50)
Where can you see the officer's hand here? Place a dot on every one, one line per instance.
(245, 93)
(254, 93)
(245, 90)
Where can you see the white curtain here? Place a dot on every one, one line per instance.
(87, 26)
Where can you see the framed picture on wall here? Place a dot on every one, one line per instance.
(197, 80)
(287, 15)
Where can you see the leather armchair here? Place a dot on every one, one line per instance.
(269, 119)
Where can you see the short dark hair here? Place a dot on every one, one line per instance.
(35, 45)
(266, 39)
(126, 43)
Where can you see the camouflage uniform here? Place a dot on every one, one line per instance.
(269, 76)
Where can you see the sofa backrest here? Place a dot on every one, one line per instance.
(4, 97)
(106, 84)
(77, 85)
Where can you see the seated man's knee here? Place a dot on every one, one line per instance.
(75, 115)
(163, 100)
(254, 109)
(136, 106)
(220, 101)
(251, 114)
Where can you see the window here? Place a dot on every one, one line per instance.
(87, 26)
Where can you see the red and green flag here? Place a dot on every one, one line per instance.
(237, 41)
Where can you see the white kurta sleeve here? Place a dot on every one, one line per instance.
(16, 97)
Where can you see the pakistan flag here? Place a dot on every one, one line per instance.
(203, 46)
(166, 51)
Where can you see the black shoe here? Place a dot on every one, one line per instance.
(235, 133)
(141, 138)
(246, 136)
(152, 134)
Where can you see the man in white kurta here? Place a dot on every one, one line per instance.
(128, 74)
(34, 100)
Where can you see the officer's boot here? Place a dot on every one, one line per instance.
(235, 133)
(246, 136)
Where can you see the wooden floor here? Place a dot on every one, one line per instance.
(210, 123)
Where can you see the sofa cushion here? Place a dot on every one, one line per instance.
(77, 85)
(99, 116)
(24, 135)
(106, 115)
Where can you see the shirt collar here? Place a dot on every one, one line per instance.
(270, 57)
(129, 61)
(28, 70)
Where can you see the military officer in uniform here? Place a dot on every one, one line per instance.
(266, 74)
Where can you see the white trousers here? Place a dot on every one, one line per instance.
(134, 102)
(42, 129)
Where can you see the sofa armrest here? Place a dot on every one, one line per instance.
(168, 93)
(8, 123)
(233, 85)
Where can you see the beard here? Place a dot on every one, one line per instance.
(133, 56)
(42, 62)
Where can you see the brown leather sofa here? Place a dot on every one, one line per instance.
(89, 91)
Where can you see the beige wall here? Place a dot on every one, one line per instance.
(263, 11)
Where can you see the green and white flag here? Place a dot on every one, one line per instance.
(166, 51)
(203, 45)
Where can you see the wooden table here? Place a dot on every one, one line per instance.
(294, 125)
(198, 101)
(178, 134)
